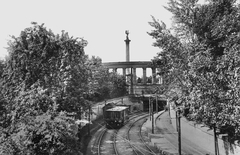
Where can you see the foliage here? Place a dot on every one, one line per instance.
(46, 83)
(202, 60)
(98, 79)
(118, 85)
(2, 100)
(2, 66)
(43, 83)
(173, 58)
(38, 128)
(102, 84)
(55, 62)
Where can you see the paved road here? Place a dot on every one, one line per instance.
(165, 127)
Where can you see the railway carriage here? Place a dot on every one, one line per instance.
(115, 117)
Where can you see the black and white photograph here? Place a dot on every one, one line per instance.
(120, 77)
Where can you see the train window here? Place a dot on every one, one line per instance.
(108, 114)
(116, 114)
(112, 114)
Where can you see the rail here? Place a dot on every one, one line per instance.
(134, 147)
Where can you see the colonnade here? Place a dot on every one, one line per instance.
(132, 72)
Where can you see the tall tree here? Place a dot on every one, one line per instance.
(206, 42)
(44, 81)
(117, 85)
(102, 84)
(98, 79)
(55, 62)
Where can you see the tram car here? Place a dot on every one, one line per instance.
(116, 116)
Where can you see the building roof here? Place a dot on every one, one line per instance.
(118, 108)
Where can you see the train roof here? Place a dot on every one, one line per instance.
(117, 108)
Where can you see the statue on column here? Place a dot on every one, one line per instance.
(127, 32)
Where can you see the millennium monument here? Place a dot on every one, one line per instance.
(129, 72)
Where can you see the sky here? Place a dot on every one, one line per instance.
(101, 22)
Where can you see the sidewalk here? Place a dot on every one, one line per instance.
(157, 139)
(203, 136)
(200, 135)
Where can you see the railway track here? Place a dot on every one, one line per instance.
(106, 144)
(129, 138)
(100, 139)
(107, 139)
(137, 143)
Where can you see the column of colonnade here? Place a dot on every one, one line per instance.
(134, 74)
(144, 75)
(124, 72)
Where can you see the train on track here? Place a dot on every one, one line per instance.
(115, 116)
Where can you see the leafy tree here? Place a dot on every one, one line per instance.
(2, 101)
(43, 85)
(172, 58)
(202, 58)
(2, 66)
(99, 79)
(118, 85)
(37, 132)
(56, 62)
(102, 84)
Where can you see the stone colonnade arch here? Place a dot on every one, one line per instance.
(133, 65)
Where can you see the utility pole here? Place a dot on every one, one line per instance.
(152, 120)
(215, 139)
(168, 108)
(176, 119)
(89, 115)
(179, 132)
(149, 102)
(98, 111)
(156, 103)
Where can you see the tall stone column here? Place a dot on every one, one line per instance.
(114, 69)
(131, 82)
(127, 41)
(144, 75)
(161, 79)
(134, 76)
(124, 72)
(107, 70)
(153, 75)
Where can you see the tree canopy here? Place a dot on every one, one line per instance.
(47, 83)
(102, 83)
(201, 55)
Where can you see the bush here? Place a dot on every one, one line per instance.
(45, 134)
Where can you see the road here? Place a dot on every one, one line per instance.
(189, 144)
